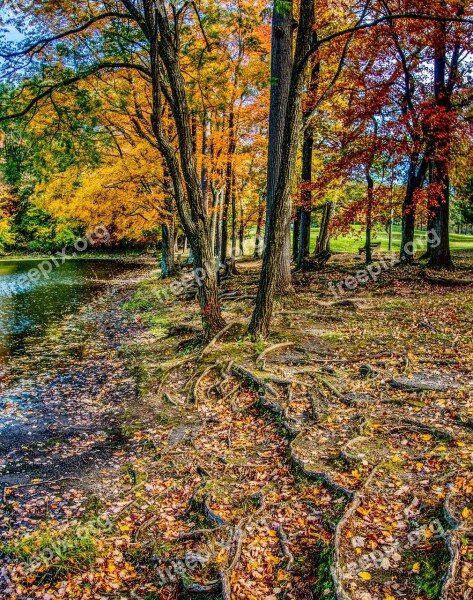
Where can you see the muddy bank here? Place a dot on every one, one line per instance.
(62, 403)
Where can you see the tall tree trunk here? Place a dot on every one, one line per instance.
(296, 230)
(390, 230)
(440, 255)
(307, 154)
(323, 241)
(190, 203)
(218, 239)
(233, 269)
(430, 225)
(168, 261)
(281, 210)
(228, 187)
(214, 215)
(204, 177)
(409, 217)
(167, 254)
(306, 200)
(415, 181)
(241, 230)
(369, 217)
(281, 67)
(259, 228)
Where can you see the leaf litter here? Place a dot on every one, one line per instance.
(304, 474)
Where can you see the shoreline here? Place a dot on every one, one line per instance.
(124, 258)
(64, 387)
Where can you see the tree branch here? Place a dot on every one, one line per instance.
(67, 82)
(383, 19)
(308, 118)
(39, 45)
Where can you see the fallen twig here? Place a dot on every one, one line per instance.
(283, 542)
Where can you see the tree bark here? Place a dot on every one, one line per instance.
(168, 268)
(218, 239)
(415, 181)
(168, 261)
(190, 202)
(241, 230)
(228, 187)
(259, 228)
(306, 200)
(439, 201)
(204, 177)
(307, 154)
(409, 217)
(232, 268)
(281, 67)
(323, 241)
(296, 230)
(214, 217)
(369, 218)
(281, 209)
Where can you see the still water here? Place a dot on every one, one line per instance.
(31, 302)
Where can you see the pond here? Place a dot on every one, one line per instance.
(35, 296)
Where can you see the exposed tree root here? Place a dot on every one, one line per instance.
(454, 545)
(336, 569)
(235, 545)
(183, 329)
(254, 379)
(196, 390)
(328, 385)
(170, 400)
(220, 334)
(321, 476)
(448, 281)
(195, 534)
(168, 372)
(346, 456)
(232, 393)
(421, 427)
(273, 349)
(211, 515)
(201, 588)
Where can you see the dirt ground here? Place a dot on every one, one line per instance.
(333, 460)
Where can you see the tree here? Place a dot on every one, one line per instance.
(156, 22)
(281, 80)
(279, 215)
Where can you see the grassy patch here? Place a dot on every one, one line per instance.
(324, 586)
(53, 553)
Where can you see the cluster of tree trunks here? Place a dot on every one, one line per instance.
(209, 235)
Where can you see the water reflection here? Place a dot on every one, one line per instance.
(29, 305)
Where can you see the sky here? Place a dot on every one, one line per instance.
(9, 34)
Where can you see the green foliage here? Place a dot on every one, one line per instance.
(283, 7)
(324, 585)
(56, 553)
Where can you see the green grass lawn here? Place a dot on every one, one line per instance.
(351, 243)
